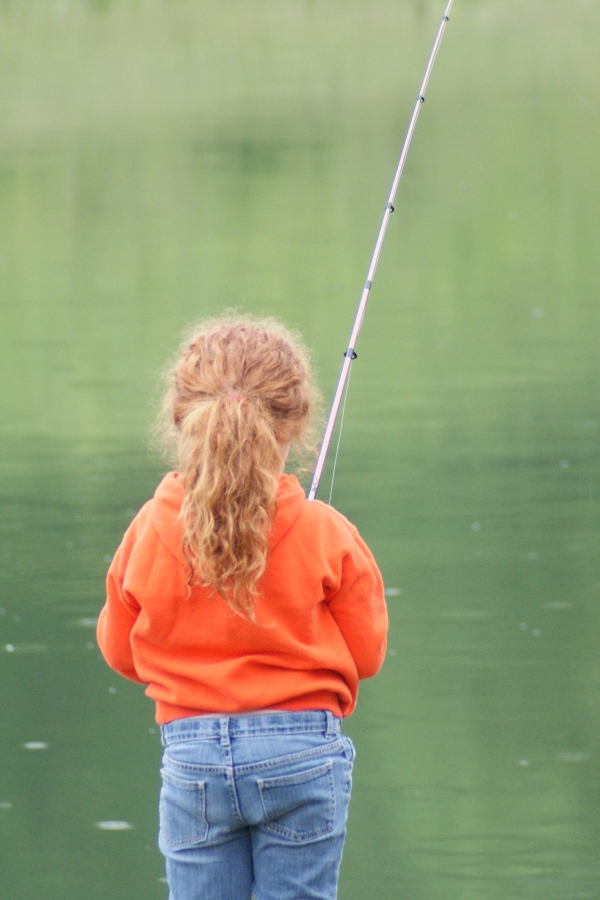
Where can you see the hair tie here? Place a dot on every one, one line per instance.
(235, 397)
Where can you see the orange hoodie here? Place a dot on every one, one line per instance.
(321, 616)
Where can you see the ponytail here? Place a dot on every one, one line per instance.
(239, 392)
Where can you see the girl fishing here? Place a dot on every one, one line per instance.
(251, 614)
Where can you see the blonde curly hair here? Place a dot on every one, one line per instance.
(239, 391)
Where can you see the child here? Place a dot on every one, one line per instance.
(251, 614)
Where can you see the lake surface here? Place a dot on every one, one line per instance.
(160, 161)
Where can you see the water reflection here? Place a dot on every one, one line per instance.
(174, 159)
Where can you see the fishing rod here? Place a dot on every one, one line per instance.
(350, 353)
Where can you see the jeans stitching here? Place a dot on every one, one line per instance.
(233, 796)
(198, 789)
(300, 837)
(199, 733)
(194, 769)
(276, 761)
(296, 778)
(247, 768)
(297, 814)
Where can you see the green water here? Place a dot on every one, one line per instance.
(162, 160)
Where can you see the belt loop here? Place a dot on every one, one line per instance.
(224, 732)
(329, 731)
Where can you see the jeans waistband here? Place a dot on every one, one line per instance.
(204, 727)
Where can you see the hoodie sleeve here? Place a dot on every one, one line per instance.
(121, 610)
(359, 609)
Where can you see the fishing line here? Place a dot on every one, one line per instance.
(337, 449)
(554, 66)
(350, 354)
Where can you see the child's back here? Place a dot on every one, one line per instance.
(251, 614)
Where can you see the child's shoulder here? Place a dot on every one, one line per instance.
(159, 516)
(316, 511)
(309, 519)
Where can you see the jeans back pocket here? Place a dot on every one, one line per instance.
(182, 812)
(300, 807)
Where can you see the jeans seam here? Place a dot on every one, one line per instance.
(271, 816)
(247, 768)
(186, 736)
(194, 769)
(299, 837)
(197, 838)
(235, 803)
(276, 761)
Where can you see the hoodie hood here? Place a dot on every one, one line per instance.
(169, 497)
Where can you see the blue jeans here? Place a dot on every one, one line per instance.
(254, 805)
